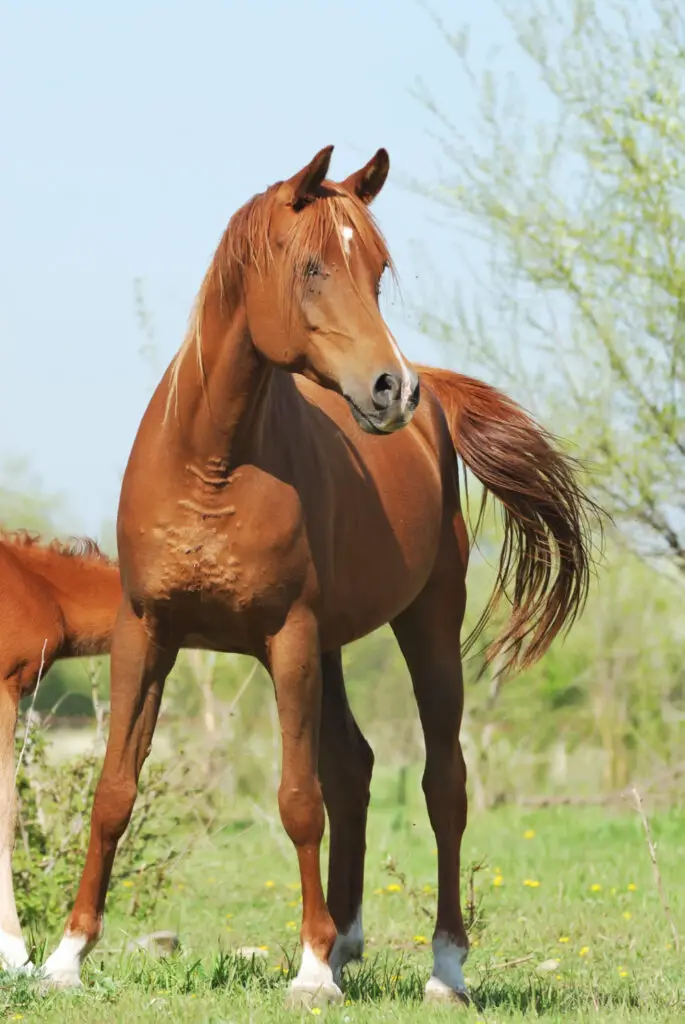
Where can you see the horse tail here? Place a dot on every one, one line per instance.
(547, 551)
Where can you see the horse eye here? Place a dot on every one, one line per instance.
(312, 268)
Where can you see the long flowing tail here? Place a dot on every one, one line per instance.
(546, 557)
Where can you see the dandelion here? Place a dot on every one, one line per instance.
(128, 884)
(532, 883)
(293, 903)
(563, 938)
(632, 887)
(627, 915)
(290, 924)
(269, 884)
(558, 977)
(420, 938)
(498, 880)
(622, 972)
(529, 833)
(316, 1011)
(583, 951)
(596, 888)
(428, 889)
(229, 916)
(264, 949)
(393, 887)
(475, 942)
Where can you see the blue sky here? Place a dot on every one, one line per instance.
(131, 132)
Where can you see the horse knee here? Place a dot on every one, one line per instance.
(302, 811)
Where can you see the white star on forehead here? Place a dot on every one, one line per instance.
(347, 235)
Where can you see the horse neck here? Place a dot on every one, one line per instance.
(88, 591)
(217, 405)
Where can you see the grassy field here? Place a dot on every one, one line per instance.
(573, 886)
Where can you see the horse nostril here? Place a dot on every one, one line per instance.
(386, 390)
(415, 396)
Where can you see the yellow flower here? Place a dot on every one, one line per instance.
(627, 915)
(420, 938)
(529, 833)
(290, 924)
(394, 887)
(428, 888)
(269, 884)
(632, 887)
(229, 916)
(475, 942)
(532, 883)
(316, 1011)
(596, 887)
(622, 972)
(18, 1016)
(563, 938)
(293, 903)
(498, 880)
(583, 951)
(265, 949)
(128, 884)
(558, 977)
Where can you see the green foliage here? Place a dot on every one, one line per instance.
(577, 201)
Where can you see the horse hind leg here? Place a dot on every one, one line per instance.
(345, 767)
(428, 634)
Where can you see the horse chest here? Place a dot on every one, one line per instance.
(236, 561)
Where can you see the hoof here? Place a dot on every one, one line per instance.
(305, 996)
(437, 991)
(61, 980)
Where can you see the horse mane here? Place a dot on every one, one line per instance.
(245, 243)
(76, 547)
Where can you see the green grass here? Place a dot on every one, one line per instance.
(596, 892)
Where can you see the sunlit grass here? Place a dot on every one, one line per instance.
(567, 925)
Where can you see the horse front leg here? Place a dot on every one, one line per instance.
(13, 952)
(294, 661)
(139, 668)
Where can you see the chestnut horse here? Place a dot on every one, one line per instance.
(286, 494)
(56, 601)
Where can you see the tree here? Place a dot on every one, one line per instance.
(580, 213)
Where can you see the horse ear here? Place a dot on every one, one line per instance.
(367, 183)
(305, 184)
